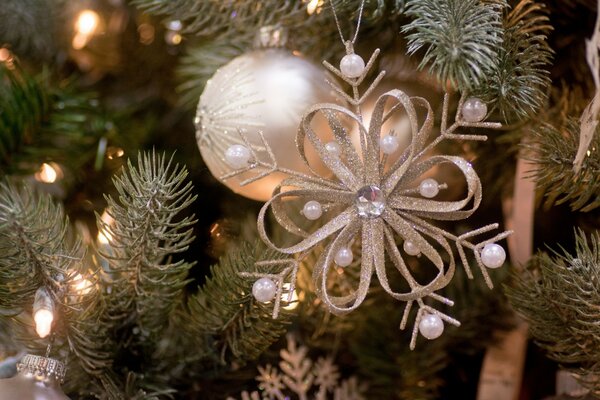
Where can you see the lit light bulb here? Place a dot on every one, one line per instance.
(104, 236)
(87, 22)
(43, 322)
(314, 5)
(43, 315)
(48, 173)
(81, 285)
(85, 26)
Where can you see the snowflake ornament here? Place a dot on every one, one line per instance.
(300, 376)
(385, 204)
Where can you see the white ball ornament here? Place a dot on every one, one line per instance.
(429, 188)
(493, 255)
(237, 156)
(333, 148)
(264, 290)
(312, 210)
(266, 90)
(389, 144)
(344, 257)
(431, 326)
(474, 110)
(352, 65)
(410, 248)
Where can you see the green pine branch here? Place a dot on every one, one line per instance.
(206, 18)
(239, 327)
(149, 230)
(38, 250)
(558, 294)
(33, 244)
(40, 122)
(460, 38)
(32, 28)
(518, 85)
(552, 152)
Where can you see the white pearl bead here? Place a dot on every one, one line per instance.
(352, 65)
(344, 257)
(312, 210)
(431, 326)
(429, 188)
(333, 148)
(493, 255)
(474, 110)
(410, 248)
(389, 144)
(237, 156)
(264, 290)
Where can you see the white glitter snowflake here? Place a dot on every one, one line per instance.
(381, 198)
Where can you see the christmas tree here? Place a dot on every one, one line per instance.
(268, 199)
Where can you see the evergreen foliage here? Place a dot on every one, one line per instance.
(145, 236)
(558, 294)
(38, 120)
(460, 38)
(39, 251)
(241, 328)
(552, 151)
(518, 84)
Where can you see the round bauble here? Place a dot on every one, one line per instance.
(34, 381)
(431, 326)
(264, 90)
(264, 290)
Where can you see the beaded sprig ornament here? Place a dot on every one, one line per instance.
(379, 204)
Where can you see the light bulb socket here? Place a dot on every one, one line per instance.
(270, 37)
(42, 367)
(43, 301)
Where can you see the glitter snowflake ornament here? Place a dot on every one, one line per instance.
(300, 376)
(385, 204)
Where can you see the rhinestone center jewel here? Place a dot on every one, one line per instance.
(370, 201)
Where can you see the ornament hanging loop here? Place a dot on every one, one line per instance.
(349, 47)
(271, 37)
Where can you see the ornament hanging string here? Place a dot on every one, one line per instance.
(337, 22)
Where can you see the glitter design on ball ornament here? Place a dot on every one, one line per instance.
(264, 94)
(379, 204)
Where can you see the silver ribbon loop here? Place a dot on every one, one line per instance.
(355, 168)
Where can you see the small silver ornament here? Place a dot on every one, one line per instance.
(38, 378)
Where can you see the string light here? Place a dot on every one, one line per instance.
(81, 285)
(314, 5)
(104, 236)
(87, 22)
(48, 173)
(86, 25)
(43, 312)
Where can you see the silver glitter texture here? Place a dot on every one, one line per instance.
(398, 211)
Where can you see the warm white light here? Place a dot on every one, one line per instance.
(4, 54)
(104, 236)
(47, 173)
(81, 285)
(43, 322)
(293, 303)
(87, 22)
(314, 5)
